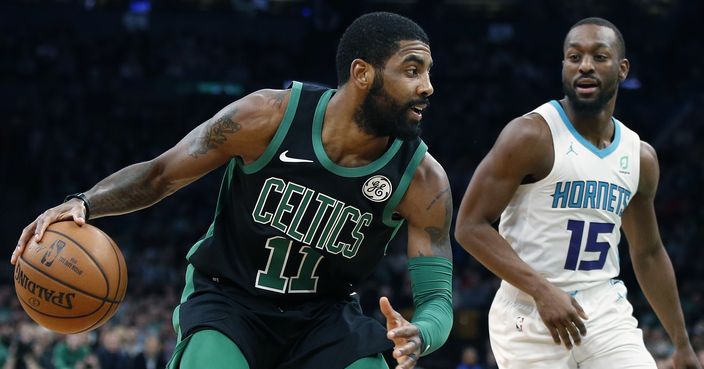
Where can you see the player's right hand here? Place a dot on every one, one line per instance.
(562, 315)
(72, 209)
(685, 358)
(404, 335)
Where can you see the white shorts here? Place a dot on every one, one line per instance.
(520, 340)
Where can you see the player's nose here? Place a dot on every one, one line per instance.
(586, 65)
(426, 88)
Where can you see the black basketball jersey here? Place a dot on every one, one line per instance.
(293, 224)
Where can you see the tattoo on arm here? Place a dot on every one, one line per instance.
(276, 97)
(129, 189)
(439, 236)
(437, 197)
(214, 134)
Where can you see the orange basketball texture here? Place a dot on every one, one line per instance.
(73, 280)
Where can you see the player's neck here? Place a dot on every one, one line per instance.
(596, 127)
(343, 139)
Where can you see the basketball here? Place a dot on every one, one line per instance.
(73, 280)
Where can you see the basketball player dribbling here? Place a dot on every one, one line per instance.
(318, 182)
(564, 179)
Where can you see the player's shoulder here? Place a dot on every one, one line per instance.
(649, 170)
(647, 151)
(260, 111)
(266, 102)
(524, 134)
(429, 184)
(429, 176)
(524, 148)
(648, 159)
(529, 127)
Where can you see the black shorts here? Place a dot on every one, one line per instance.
(318, 334)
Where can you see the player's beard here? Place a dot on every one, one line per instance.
(590, 107)
(382, 115)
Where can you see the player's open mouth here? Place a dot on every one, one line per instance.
(586, 86)
(417, 110)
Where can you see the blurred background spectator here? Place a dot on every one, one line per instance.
(470, 359)
(89, 86)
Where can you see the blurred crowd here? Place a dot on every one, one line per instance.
(86, 90)
(140, 336)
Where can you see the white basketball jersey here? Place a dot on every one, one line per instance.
(567, 225)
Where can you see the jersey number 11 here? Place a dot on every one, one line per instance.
(272, 277)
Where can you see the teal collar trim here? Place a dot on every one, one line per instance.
(602, 153)
(323, 156)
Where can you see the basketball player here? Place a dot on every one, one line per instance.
(564, 178)
(318, 181)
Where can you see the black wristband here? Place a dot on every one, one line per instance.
(81, 196)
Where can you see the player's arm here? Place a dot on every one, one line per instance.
(427, 207)
(521, 153)
(244, 128)
(651, 263)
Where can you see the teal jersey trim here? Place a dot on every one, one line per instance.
(263, 160)
(187, 291)
(323, 156)
(224, 188)
(602, 153)
(403, 186)
(393, 235)
(189, 288)
(208, 234)
(175, 322)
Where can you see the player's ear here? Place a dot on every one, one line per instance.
(623, 67)
(362, 74)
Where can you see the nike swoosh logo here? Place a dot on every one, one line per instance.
(287, 159)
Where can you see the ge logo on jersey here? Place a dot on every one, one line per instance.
(377, 188)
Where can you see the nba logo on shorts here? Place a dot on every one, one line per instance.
(519, 323)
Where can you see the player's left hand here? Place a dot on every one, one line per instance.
(406, 337)
(685, 358)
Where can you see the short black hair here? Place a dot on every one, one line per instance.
(374, 37)
(604, 23)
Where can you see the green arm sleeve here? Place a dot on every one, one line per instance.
(431, 284)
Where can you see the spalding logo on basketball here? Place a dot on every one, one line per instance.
(73, 280)
(377, 188)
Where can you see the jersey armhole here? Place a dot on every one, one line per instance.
(403, 184)
(544, 113)
(281, 132)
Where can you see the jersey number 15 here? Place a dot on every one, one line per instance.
(593, 232)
